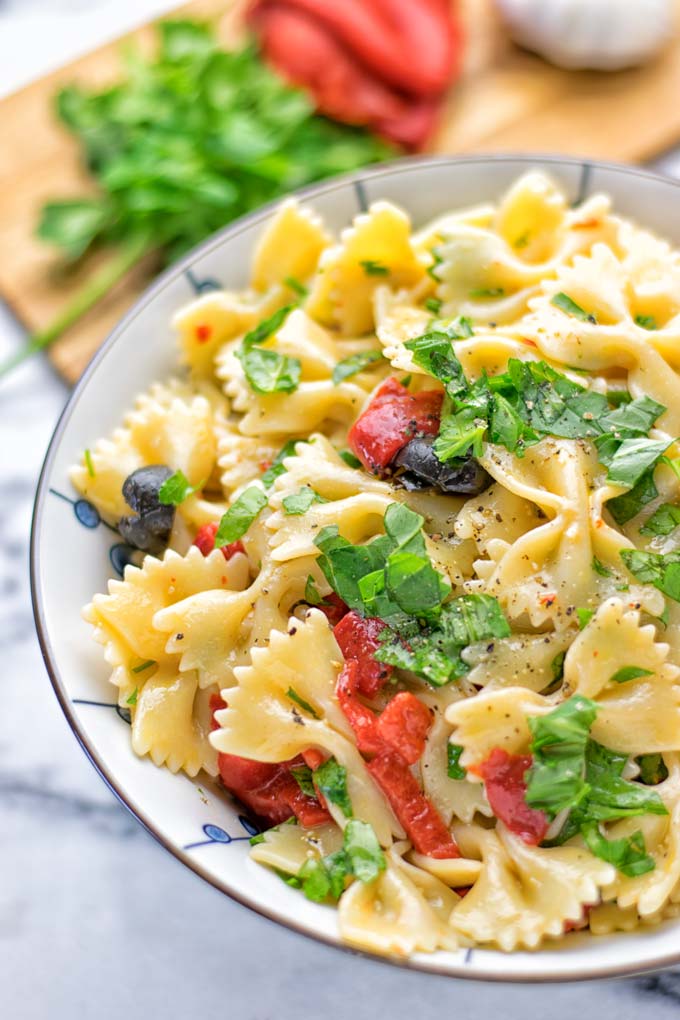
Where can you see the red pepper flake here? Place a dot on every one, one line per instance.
(503, 776)
(264, 465)
(203, 333)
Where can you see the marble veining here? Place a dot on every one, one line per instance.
(95, 918)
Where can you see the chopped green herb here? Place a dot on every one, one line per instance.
(88, 463)
(663, 521)
(600, 568)
(652, 769)
(296, 286)
(633, 458)
(673, 463)
(557, 668)
(331, 780)
(661, 570)
(584, 616)
(628, 505)
(268, 371)
(302, 774)
(143, 666)
(484, 292)
(240, 515)
(176, 489)
(299, 502)
(267, 327)
(373, 268)
(294, 696)
(350, 459)
(665, 616)
(628, 855)
(568, 305)
(132, 700)
(433, 304)
(406, 381)
(277, 468)
(435, 652)
(522, 241)
(348, 367)
(627, 673)
(646, 321)
(436, 261)
(255, 840)
(312, 595)
(360, 857)
(454, 769)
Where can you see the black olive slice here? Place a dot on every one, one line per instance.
(422, 469)
(149, 528)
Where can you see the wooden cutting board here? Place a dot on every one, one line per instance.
(507, 100)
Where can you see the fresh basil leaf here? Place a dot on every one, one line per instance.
(374, 268)
(434, 353)
(413, 583)
(349, 459)
(299, 502)
(176, 489)
(557, 667)
(454, 769)
(433, 305)
(312, 595)
(633, 458)
(294, 696)
(663, 521)
(627, 673)
(302, 774)
(436, 261)
(584, 616)
(600, 568)
(276, 468)
(458, 438)
(363, 850)
(663, 571)
(240, 515)
(628, 855)
(652, 769)
(267, 327)
(610, 796)
(344, 564)
(355, 363)
(331, 780)
(314, 880)
(293, 284)
(635, 417)
(270, 372)
(569, 306)
(143, 666)
(646, 321)
(628, 505)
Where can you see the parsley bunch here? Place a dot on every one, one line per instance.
(572, 772)
(188, 141)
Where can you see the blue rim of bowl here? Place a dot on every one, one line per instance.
(354, 179)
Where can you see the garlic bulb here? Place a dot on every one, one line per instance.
(601, 34)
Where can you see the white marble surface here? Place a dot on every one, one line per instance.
(96, 920)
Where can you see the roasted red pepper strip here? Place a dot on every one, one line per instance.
(404, 724)
(359, 639)
(205, 540)
(268, 788)
(392, 418)
(503, 776)
(421, 820)
(361, 719)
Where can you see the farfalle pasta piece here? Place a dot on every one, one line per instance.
(171, 720)
(264, 722)
(405, 909)
(209, 322)
(494, 719)
(376, 249)
(124, 618)
(289, 248)
(453, 798)
(287, 847)
(525, 894)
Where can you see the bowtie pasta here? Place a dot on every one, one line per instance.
(408, 567)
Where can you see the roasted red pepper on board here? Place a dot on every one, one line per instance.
(269, 789)
(381, 63)
(503, 776)
(392, 418)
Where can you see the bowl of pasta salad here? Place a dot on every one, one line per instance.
(356, 565)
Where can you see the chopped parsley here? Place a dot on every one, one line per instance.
(355, 363)
(626, 673)
(276, 468)
(132, 700)
(663, 521)
(628, 505)
(176, 489)
(661, 570)
(433, 304)
(584, 616)
(312, 595)
(361, 857)
(572, 773)
(268, 371)
(143, 666)
(600, 568)
(240, 515)
(294, 696)
(454, 769)
(88, 463)
(374, 268)
(300, 502)
(331, 780)
(302, 774)
(569, 306)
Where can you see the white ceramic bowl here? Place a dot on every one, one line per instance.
(73, 554)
